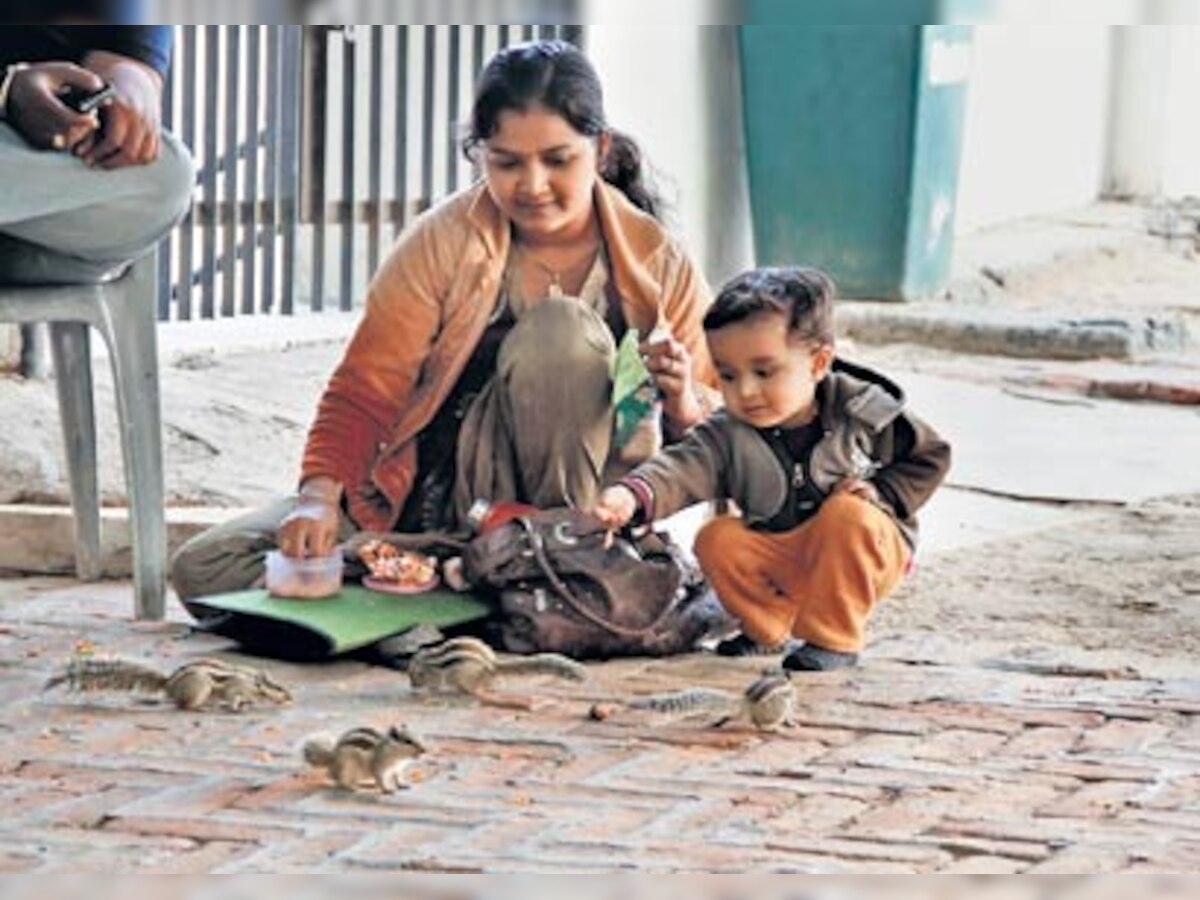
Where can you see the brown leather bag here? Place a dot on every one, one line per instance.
(566, 586)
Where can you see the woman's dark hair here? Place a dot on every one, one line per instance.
(556, 75)
(803, 296)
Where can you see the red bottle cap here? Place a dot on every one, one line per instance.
(484, 515)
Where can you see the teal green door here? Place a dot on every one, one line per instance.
(853, 136)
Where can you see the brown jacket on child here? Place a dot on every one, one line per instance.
(867, 433)
(804, 560)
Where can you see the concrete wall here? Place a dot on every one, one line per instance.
(1181, 157)
(10, 348)
(675, 90)
(1155, 135)
(1037, 124)
(1037, 121)
(1163, 78)
(1059, 113)
(1139, 127)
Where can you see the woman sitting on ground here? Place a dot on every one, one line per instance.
(482, 365)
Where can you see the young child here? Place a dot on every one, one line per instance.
(822, 458)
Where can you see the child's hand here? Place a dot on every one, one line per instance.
(615, 507)
(858, 488)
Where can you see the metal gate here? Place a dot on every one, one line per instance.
(315, 146)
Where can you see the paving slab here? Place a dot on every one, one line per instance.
(942, 767)
(1106, 452)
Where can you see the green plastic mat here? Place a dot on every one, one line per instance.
(353, 618)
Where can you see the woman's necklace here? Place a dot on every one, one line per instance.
(556, 274)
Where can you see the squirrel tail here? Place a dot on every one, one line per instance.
(318, 749)
(692, 700)
(87, 673)
(543, 664)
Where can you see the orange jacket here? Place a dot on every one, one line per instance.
(427, 308)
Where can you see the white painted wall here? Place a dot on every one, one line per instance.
(675, 90)
(1036, 122)
(1076, 12)
(1141, 78)
(1181, 146)
(1058, 114)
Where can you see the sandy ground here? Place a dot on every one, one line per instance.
(1097, 585)
(1094, 261)
(1116, 590)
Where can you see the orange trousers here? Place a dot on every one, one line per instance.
(817, 582)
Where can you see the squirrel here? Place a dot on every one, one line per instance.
(769, 703)
(194, 685)
(466, 665)
(365, 754)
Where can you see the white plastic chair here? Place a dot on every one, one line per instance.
(123, 311)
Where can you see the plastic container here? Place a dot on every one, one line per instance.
(304, 579)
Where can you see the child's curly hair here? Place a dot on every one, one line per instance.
(804, 296)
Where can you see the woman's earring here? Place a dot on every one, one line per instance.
(603, 154)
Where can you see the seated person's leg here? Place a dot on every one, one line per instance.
(231, 556)
(65, 223)
(744, 567)
(848, 557)
(547, 413)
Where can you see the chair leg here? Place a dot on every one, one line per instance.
(73, 376)
(133, 348)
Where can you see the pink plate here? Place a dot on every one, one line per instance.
(385, 586)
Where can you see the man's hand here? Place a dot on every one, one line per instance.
(130, 124)
(38, 114)
(615, 507)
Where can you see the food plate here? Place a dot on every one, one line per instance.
(387, 586)
(395, 571)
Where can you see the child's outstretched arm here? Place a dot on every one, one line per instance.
(615, 507)
(689, 471)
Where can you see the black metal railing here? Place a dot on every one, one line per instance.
(315, 146)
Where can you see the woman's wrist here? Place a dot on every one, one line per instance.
(321, 490)
(683, 411)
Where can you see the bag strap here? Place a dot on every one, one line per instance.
(537, 544)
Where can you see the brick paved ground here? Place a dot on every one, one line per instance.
(895, 767)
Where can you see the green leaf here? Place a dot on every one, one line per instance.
(634, 391)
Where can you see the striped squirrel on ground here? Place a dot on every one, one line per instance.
(466, 665)
(363, 755)
(769, 703)
(199, 684)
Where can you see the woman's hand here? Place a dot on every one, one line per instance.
(670, 365)
(131, 123)
(311, 529)
(36, 111)
(615, 507)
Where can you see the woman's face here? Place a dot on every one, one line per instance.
(541, 171)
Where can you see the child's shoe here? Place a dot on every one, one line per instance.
(811, 658)
(744, 645)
